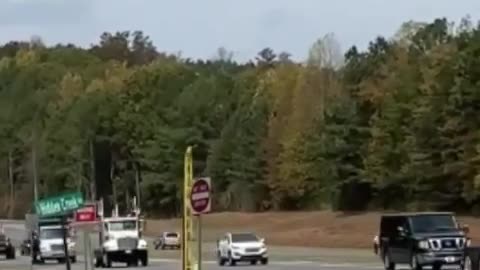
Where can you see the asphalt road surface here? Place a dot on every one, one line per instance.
(281, 258)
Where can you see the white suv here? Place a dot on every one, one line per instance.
(168, 239)
(235, 247)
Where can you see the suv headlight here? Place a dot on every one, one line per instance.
(235, 247)
(423, 244)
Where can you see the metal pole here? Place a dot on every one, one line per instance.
(85, 248)
(65, 244)
(90, 251)
(199, 240)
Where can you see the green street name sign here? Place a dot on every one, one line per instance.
(59, 205)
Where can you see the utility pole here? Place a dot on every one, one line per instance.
(34, 167)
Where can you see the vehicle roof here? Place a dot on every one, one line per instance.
(410, 214)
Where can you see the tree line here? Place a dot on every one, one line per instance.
(395, 126)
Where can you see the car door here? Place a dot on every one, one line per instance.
(404, 241)
(396, 241)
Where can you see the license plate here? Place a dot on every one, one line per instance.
(450, 259)
(128, 251)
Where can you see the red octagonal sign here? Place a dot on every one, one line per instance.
(200, 196)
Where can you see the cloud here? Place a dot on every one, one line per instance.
(44, 12)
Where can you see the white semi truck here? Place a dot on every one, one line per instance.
(50, 239)
(121, 241)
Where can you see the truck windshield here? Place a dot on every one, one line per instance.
(51, 233)
(123, 225)
(433, 223)
(244, 237)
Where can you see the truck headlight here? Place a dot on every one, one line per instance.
(235, 247)
(142, 244)
(423, 244)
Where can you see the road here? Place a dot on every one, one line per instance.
(281, 258)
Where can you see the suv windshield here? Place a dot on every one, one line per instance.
(172, 235)
(244, 237)
(123, 225)
(433, 223)
(51, 233)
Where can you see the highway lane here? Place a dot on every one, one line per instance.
(281, 258)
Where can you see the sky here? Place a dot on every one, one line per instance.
(197, 28)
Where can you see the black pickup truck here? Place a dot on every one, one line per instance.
(6, 247)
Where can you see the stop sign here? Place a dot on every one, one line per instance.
(200, 196)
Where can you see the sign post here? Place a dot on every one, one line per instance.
(60, 205)
(86, 218)
(201, 204)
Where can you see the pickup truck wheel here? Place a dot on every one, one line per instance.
(264, 261)
(253, 262)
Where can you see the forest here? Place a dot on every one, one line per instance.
(395, 126)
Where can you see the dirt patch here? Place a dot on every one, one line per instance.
(308, 229)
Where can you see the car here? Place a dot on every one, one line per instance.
(241, 247)
(421, 239)
(25, 247)
(6, 247)
(168, 240)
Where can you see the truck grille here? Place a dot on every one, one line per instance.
(127, 243)
(57, 247)
(251, 249)
(449, 243)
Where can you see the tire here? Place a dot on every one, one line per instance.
(231, 261)
(73, 259)
(10, 255)
(388, 265)
(436, 267)
(144, 259)
(253, 262)
(106, 261)
(264, 261)
(221, 261)
(414, 263)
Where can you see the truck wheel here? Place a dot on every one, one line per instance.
(144, 259)
(106, 260)
(264, 261)
(73, 259)
(10, 254)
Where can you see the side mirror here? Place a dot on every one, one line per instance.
(465, 228)
(262, 240)
(401, 231)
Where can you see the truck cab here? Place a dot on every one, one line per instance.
(51, 244)
(122, 242)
